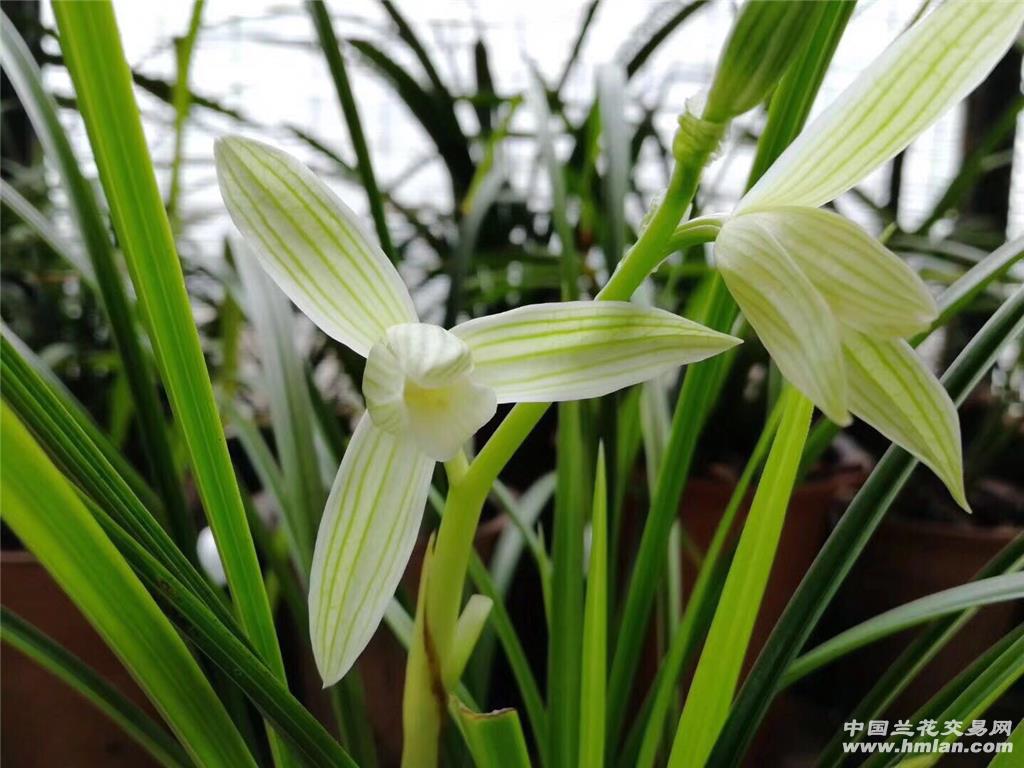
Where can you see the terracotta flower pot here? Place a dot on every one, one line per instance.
(45, 723)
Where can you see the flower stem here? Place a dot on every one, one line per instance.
(469, 484)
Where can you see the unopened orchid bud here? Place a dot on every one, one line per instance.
(766, 37)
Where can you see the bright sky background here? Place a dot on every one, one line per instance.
(257, 56)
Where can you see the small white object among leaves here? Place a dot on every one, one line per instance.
(427, 389)
(209, 557)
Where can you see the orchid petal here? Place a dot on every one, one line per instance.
(866, 285)
(365, 539)
(311, 243)
(418, 384)
(581, 349)
(893, 391)
(915, 80)
(790, 316)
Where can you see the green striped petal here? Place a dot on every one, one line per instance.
(366, 536)
(867, 286)
(580, 349)
(418, 385)
(922, 74)
(893, 391)
(791, 317)
(311, 243)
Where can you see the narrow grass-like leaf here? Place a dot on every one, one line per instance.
(702, 597)
(339, 74)
(439, 123)
(611, 97)
(975, 594)
(62, 428)
(920, 76)
(1007, 758)
(714, 682)
(43, 510)
(92, 228)
(594, 667)
(78, 675)
(568, 257)
(846, 542)
(231, 652)
(91, 44)
(43, 378)
(916, 656)
(184, 47)
(494, 738)
(291, 411)
(565, 640)
(46, 232)
(656, 36)
(969, 696)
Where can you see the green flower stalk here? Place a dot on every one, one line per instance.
(830, 303)
(427, 389)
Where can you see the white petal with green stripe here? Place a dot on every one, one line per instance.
(580, 349)
(893, 391)
(311, 243)
(915, 80)
(790, 316)
(366, 535)
(866, 285)
(418, 385)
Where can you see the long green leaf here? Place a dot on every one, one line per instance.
(229, 651)
(595, 629)
(495, 739)
(64, 665)
(38, 223)
(915, 657)
(847, 541)
(339, 74)
(291, 410)
(970, 694)
(565, 640)
(81, 451)
(92, 49)
(726, 646)
(975, 594)
(92, 228)
(702, 597)
(440, 124)
(43, 510)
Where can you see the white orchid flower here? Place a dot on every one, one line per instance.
(427, 389)
(830, 303)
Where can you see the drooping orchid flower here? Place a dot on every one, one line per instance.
(428, 389)
(831, 304)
